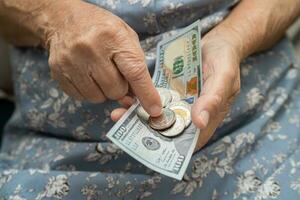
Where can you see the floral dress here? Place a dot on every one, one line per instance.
(55, 147)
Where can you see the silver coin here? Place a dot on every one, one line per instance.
(164, 121)
(142, 114)
(165, 96)
(176, 129)
(175, 96)
(180, 103)
(184, 112)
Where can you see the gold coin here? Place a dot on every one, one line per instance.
(184, 113)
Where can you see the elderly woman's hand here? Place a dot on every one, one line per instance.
(94, 55)
(220, 60)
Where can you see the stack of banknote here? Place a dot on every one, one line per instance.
(166, 143)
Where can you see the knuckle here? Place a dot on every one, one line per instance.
(83, 44)
(137, 72)
(216, 101)
(111, 31)
(115, 32)
(122, 91)
(86, 44)
(112, 24)
(119, 93)
(230, 74)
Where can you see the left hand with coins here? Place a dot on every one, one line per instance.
(223, 49)
(221, 85)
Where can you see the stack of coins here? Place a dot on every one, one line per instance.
(176, 115)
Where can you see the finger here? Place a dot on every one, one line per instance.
(127, 101)
(65, 84)
(103, 71)
(78, 71)
(112, 83)
(214, 95)
(208, 132)
(81, 78)
(131, 64)
(117, 114)
(61, 67)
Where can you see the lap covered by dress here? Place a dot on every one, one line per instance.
(48, 150)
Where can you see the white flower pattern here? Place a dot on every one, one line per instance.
(55, 147)
(57, 187)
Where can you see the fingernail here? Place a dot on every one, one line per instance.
(155, 110)
(204, 117)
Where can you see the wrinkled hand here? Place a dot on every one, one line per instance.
(221, 60)
(221, 74)
(95, 56)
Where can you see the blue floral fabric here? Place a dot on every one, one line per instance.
(55, 147)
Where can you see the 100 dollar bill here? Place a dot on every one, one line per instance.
(178, 67)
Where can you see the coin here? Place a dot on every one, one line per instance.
(175, 96)
(182, 111)
(164, 121)
(180, 103)
(176, 129)
(142, 114)
(165, 96)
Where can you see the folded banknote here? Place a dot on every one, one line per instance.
(178, 68)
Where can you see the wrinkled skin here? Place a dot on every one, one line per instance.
(101, 61)
(223, 49)
(221, 85)
(95, 56)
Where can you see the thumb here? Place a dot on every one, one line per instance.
(132, 65)
(211, 101)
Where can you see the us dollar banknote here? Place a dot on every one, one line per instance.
(178, 67)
